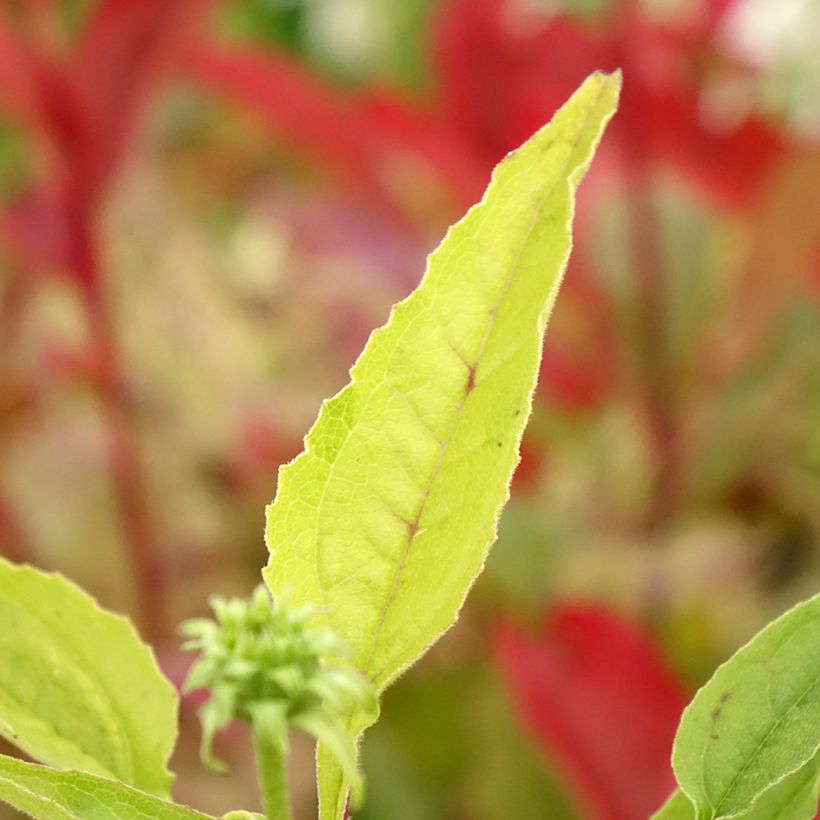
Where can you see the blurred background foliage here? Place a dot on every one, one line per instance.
(208, 204)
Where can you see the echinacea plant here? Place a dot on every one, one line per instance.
(377, 533)
(266, 664)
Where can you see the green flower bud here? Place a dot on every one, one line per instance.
(264, 663)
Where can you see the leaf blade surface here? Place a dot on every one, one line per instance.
(50, 794)
(78, 689)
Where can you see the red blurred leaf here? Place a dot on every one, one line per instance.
(34, 229)
(398, 126)
(14, 542)
(595, 692)
(730, 165)
(502, 74)
(18, 93)
(529, 469)
(573, 383)
(124, 48)
(580, 365)
(297, 105)
(697, 26)
(85, 102)
(261, 449)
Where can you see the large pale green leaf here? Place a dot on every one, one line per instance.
(78, 689)
(756, 721)
(386, 518)
(52, 794)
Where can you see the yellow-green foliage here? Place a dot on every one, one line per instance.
(385, 520)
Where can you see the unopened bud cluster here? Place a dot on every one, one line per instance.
(264, 662)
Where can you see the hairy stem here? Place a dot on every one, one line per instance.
(270, 763)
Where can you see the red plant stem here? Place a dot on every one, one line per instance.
(14, 542)
(124, 463)
(657, 389)
(12, 303)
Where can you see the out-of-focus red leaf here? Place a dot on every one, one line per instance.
(473, 65)
(297, 105)
(529, 468)
(579, 368)
(14, 543)
(596, 694)
(259, 452)
(34, 229)
(500, 74)
(731, 164)
(85, 101)
(698, 25)
(124, 48)
(396, 125)
(572, 382)
(501, 78)
(18, 93)
(65, 125)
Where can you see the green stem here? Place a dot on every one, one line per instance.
(271, 753)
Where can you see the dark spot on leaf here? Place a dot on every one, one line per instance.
(471, 380)
(715, 737)
(499, 444)
(718, 709)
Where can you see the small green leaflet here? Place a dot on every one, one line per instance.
(243, 815)
(793, 798)
(754, 728)
(49, 794)
(385, 520)
(677, 807)
(78, 689)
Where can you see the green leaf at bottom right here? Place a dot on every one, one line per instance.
(793, 798)
(750, 737)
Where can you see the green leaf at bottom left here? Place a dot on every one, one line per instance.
(51, 794)
(78, 688)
